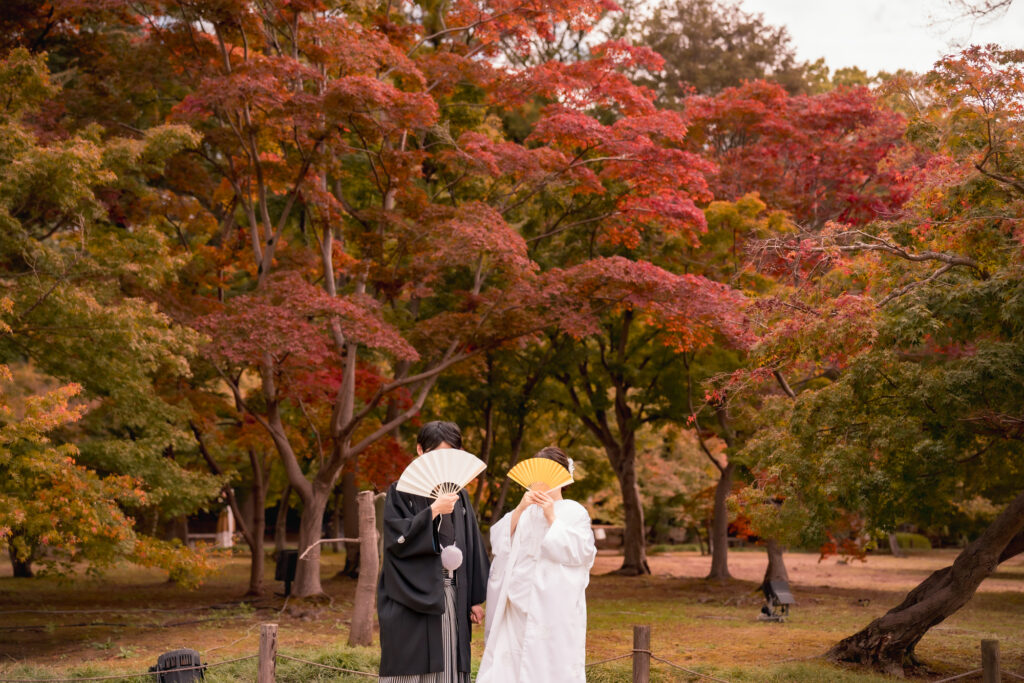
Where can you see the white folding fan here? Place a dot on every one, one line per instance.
(446, 470)
(541, 473)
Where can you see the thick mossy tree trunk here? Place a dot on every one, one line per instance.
(888, 643)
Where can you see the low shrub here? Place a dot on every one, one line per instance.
(910, 541)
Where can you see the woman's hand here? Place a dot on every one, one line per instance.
(547, 504)
(443, 504)
(525, 502)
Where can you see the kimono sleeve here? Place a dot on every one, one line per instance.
(406, 534)
(479, 565)
(501, 536)
(411, 571)
(569, 541)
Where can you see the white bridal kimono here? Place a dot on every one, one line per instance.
(536, 628)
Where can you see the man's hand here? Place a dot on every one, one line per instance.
(476, 614)
(443, 504)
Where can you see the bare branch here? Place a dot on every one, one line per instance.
(696, 422)
(1005, 180)
(461, 29)
(385, 389)
(229, 492)
(900, 291)
(857, 241)
(784, 384)
(984, 10)
(400, 419)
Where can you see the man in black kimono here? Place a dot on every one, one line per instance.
(424, 610)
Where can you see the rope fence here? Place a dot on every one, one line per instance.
(958, 676)
(991, 669)
(641, 655)
(121, 677)
(689, 671)
(326, 666)
(610, 659)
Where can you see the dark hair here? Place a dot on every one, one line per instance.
(554, 453)
(433, 434)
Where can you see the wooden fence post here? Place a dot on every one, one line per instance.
(990, 662)
(641, 653)
(361, 631)
(267, 669)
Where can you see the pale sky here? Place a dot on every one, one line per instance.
(884, 35)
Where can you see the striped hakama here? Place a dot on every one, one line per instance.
(450, 639)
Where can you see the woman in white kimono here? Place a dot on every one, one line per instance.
(536, 628)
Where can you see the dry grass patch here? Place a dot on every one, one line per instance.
(120, 624)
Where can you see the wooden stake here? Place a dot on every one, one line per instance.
(361, 632)
(641, 654)
(267, 670)
(990, 662)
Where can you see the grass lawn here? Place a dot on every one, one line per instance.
(121, 623)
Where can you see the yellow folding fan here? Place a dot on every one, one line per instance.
(540, 474)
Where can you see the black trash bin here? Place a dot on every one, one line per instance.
(178, 666)
(286, 561)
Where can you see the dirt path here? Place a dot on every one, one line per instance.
(879, 572)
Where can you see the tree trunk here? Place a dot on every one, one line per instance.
(894, 545)
(634, 541)
(487, 444)
(258, 563)
(307, 573)
(700, 539)
(1013, 549)
(177, 529)
(281, 523)
(361, 632)
(350, 521)
(888, 642)
(336, 530)
(719, 535)
(776, 569)
(251, 516)
(256, 529)
(22, 569)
